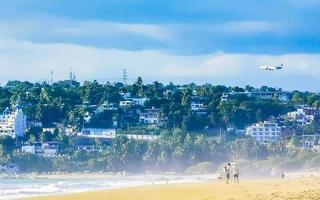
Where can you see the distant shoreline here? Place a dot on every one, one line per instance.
(57, 184)
(103, 175)
(296, 188)
(38, 185)
(77, 175)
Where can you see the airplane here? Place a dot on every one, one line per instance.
(272, 68)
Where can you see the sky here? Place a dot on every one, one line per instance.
(180, 41)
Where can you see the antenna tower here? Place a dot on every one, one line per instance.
(51, 77)
(124, 76)
(70, 74)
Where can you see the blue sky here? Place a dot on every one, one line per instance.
(219, 42)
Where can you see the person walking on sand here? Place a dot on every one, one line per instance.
(227, 172)
(282, 175)
(235, 171)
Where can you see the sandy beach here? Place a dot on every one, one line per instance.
(297, 188)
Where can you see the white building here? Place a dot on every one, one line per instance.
(137, 101)
(264, 132)
(303, 116)
(196, 106)
(282, 96)
(126, 103)
(13, 123)
(35, 148)
(150, 116)
(98, 133)
(34, 123)
(131, 101)
(142, 137)
(224, 97)
(51, 130)
(309, 141)
(50, 149)
(47, 149)
(91, 148)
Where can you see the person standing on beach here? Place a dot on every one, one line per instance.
(227, 171)
(282, 175)
(235, 171)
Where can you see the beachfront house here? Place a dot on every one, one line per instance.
(46, 149)
(34, 148)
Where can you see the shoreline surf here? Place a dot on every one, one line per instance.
(73, 183)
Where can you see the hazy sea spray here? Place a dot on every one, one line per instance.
(19, 188)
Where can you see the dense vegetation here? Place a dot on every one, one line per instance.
(187, 138)
(67, 102)
(174, 151)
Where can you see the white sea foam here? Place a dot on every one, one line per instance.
(20, 188)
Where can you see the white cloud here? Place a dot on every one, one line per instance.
(232, 65)
(51, 28)
(216, 65)
(249, 27)
(31, 61)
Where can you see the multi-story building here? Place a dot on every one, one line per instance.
(50, 149)
(13, 123)
(264, 132)
(47, 149)
(224, 97)
(150, 116)
(35, 148)
(310, 141)
(303, 116)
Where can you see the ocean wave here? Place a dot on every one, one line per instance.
(15, 188)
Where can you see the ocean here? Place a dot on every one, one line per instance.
(29, 187)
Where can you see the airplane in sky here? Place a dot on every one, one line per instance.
(272, 68)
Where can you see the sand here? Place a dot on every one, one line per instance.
(299, 189)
